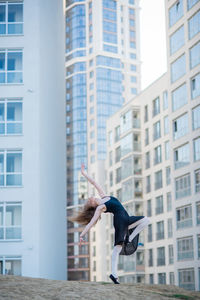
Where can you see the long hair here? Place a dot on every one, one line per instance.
(85, 215)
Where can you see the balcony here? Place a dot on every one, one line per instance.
(180, 164)
(136, 123)
(183, 193)
(184, 223)
(136, 146)
(185, 255)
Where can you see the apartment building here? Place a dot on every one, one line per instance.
(32, 139)
(170, 141)
(102, 72)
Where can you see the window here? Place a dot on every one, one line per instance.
(156, 106)
(149, 212)
(197, 181)
(118, 174)
(168, 175)
(11, 66)
(184, 217)
(182, 186)
(10, 168)
(11, 265)
(194, 25)
(195, 86)
(177, 40)
(170, 228)
(185, 248)
(148, 184)
(150, 257)
(110, 138)
(160, 230)
(166, 150)
(195, 55)
(175, 12)
(110, 158)
(147, 160)
(117, 154)
(171, 254)
(126, 144)
(146, 113)
(180, 126)
(150, 233)
(198, 212)
(159, 205)
(10, 116)
(127, 167)
(166, 125)
(136, 142)
(169, 201)
(92, 159)
(161, 278)
(198, 245)
(196, 144)
(146, 136)
(11, 18)
(179, 97)
(195, 117)
(157, 155)
(117, 133)
(186, 278)
(151, 278)
(181, 156)
(165, 100)
(111, 178)
(126, 121)
(191, 3)
(127, 190)
(161, 256)
(10, 221)
(156, 131)
(178, 68)
(158, 180)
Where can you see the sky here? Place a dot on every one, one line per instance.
(152, 41)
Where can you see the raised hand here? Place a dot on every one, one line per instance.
(83, 169)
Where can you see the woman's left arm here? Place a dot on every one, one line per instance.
(97, 213)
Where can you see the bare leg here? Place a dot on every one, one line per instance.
(115, 256)
(141, 224)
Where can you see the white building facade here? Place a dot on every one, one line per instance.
(168, 143)
(32, 139)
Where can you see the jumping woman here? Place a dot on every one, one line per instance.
(91, 213)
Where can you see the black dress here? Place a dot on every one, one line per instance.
(121, 219)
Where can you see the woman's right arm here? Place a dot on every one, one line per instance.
(96, 185)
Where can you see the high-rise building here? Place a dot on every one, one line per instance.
(32, 139)
(102, 72)
(169, 135)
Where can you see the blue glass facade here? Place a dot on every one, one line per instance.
(109, 96)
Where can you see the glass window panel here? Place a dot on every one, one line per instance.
(195, 55)
(175, 12)
(197, 149)
(178, 68)
(194, 25)
(14, 61)
(181, 156)
(14, 162)
(191, 3)
(180, 126)
(2, 61)
(196, 118)
(179, 97)
(195, 86)
(177, 40)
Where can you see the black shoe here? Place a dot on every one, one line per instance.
(115, 280)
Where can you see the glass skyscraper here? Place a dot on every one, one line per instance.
(102, 54)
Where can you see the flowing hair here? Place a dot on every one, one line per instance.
(85, 215)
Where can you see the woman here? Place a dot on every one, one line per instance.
(122, 221)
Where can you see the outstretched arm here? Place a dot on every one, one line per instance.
(96, 185)
(93, 220)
